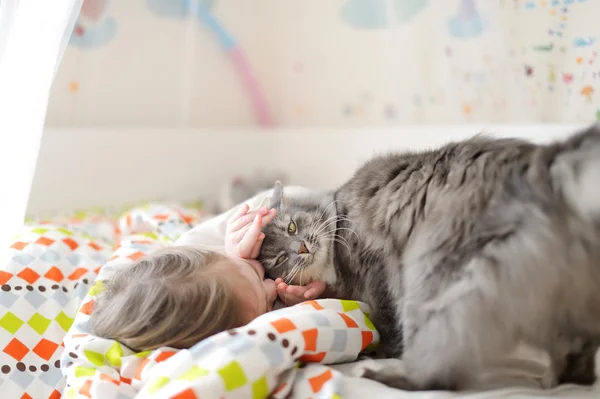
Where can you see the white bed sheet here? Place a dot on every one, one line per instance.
(519, 377)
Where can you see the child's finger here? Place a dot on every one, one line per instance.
(268, 218)
(247, 219)
(278, 281)
(257, 246)
(281, 286)
(237, 214)
(281, 290)
(251, 237)
(296, 290)
(314, 289)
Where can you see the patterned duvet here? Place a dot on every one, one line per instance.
(48, 284)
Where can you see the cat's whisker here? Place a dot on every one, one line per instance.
(313, 225)
(316, 220)
(339, 218)
(326, 224)
(332, 236)
(341, 243)
(290, 273)
(349, 229)
(327, 207)
(296, 269)
(334, 217)
(324, 235)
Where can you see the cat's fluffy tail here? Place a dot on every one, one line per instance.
(576, 172)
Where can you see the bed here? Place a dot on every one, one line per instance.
(309, 351)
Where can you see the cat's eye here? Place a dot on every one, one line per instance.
(280, 260)
(292, 229)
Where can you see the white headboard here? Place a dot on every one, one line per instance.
(79, 168)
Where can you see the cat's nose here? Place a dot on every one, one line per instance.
(303, 249)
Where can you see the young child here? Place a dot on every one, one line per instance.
(179, 295)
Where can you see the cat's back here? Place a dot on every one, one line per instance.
(392, 193)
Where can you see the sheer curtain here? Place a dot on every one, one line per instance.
(33, 36)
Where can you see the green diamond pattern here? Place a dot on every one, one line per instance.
(260, 388)
(39, 323)
(84, 371)
(158, 383)
(349, 305)
(39, 230)
(233, 375)
(64, 321)
(369, 323)
(97, 288)
(193, 373)
(11, 323)
(94, 357)
(64, 231)
(114, 354)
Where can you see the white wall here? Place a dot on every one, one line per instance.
(325, 62)
(79, 168)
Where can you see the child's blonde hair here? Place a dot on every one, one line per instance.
(174, 297)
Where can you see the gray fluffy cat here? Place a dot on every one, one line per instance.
(462, 252)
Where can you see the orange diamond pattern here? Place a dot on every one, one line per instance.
(187, 394)
(95, 246)
(87, 308)
(314, 304)
(45, 349)
(71, 243)
(19, 245)
(16, 349)
(310, 339)
(54, 274)
(55, 395)
(349, 322)
(106, 377)
(140, 369)
(44, 241)
(4, 277)
(29, 275)
(164, 356)
(137, 255)
(283, 325)
(367, 338)
(85, 389)
(77, 273)
(317, 382)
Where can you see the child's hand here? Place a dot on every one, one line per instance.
(243, 237)
(295, 294)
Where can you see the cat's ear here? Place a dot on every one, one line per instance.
(277, 196)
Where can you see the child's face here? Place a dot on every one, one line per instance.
(248, 281)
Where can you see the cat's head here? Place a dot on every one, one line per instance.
(298, 243)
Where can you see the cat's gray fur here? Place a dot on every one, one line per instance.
(462, 252)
